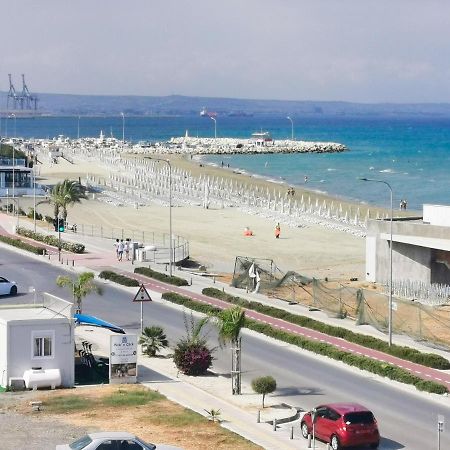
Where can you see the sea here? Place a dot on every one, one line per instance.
(411, 154)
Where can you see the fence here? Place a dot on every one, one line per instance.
(427, 323)
(159, 254)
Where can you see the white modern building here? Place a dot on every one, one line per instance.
(37, 344)
(420, 251)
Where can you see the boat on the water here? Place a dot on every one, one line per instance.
(205, 113)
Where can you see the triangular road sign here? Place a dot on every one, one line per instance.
(142, 295)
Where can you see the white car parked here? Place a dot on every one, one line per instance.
(112, 440)
(7, 287)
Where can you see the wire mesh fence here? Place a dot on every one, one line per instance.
(423, 322)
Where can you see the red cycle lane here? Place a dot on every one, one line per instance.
(423, 372)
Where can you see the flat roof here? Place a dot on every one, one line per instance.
(9, 313)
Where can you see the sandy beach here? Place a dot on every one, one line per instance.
(216, 235)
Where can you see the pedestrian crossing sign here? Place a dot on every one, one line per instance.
(142, 295)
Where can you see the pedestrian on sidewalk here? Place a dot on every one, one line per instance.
(127, 248)
(120, 248)
(116, 244)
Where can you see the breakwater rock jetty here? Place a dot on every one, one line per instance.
(258, 143)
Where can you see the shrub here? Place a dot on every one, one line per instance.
(264, 385)
(23, 245)
(49, 219)
(146, 271)
(51, 240)
(191, 355)
(192, 358)
(120, 279)
(407, 353)
(30, 214)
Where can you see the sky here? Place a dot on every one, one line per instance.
(369, 51)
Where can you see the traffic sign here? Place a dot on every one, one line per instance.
(142, 295)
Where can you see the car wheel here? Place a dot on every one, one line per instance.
(305, 430)
(13, 290)
(374, 445)
(335, 444)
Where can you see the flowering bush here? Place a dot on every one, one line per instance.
(51, 240)
(192, 358)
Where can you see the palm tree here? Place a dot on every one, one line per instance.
(65, 194)
(229, 323)
(153, 340)
(80, 288)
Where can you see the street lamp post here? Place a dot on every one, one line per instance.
(14, 166)
(292, 127)
(215, 126)
(170, 212)
(390, 257)
(34, 198)
(123, 128)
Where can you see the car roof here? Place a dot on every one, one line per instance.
(344, 408)
(112, 435)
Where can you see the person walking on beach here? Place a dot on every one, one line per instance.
(120, 248)
(277, 231)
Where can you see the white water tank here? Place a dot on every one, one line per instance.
(39, 378)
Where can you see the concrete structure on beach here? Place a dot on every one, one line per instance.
(420, 252)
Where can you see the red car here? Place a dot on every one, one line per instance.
(342, 425)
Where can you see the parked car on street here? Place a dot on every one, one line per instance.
(342, 425)
(112, 440)
(7, 287)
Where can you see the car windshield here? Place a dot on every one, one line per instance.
(362, 417)
(81, 443)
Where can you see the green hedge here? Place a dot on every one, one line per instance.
(321, 348)
(23, 245)
(177, 281)
(120, 279)
(407, 353)
(51, 240)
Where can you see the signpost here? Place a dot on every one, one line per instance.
(314, 419)
(142, 296)
(123, 358)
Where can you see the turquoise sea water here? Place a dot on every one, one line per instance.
(413, 155)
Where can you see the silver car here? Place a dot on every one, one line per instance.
(112, 440)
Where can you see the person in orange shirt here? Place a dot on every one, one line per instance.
(277, 231)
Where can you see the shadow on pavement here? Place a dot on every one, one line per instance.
(147, 375)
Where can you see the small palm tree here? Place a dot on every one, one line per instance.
(153, 340)
(229, 323)
(80, 288)
(65, 194)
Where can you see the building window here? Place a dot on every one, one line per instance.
(43, 344)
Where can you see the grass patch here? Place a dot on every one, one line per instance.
(180, 419)
(135, 397)
(68, 403)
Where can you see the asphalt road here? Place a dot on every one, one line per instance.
(406, 420)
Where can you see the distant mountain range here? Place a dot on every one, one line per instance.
(178, 105)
